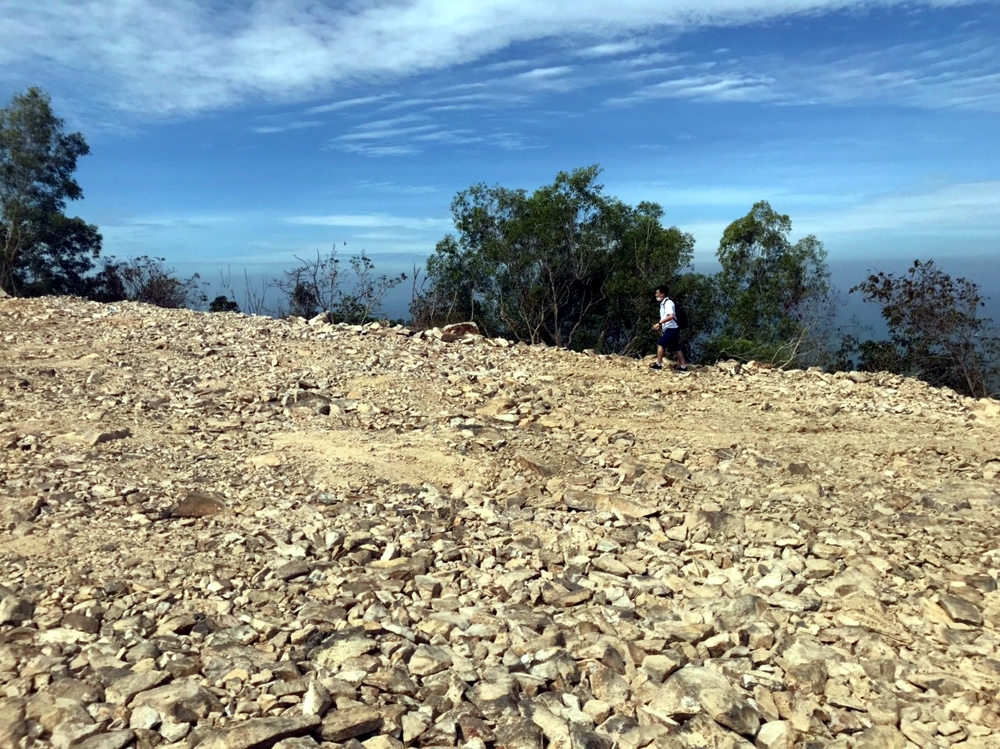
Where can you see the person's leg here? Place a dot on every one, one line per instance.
(674, 346)
(660, 350)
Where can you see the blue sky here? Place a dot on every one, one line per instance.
(242, 133)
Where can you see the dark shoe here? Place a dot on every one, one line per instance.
(656, 366)
(681, 369)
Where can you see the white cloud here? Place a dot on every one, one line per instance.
(372, 221)
(549, 78)
(385, 132)
(393, 187)
(502, 67)
(954, 74)
(170, 222)
(545, 73)
(493, 99)
(337, 106)
(365, 149)
(391, 122)
(415, 133)
(610, 49)
(284, 128)
(951, 210)
(457, 136)
(706, 88)
(149, 59)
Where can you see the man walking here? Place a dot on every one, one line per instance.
(670, 332)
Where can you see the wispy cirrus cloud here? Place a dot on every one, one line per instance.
(954, 74)
(370, 138)
(358, 101)
(384, 133)
(609, 49)
(286, 126)
(371, 221)
(728, 88)
(952, 210)
(367, 149)
(394, 187)
(550, 78)
(154, 59)
(544, 74)
(193, 221)
(418, 132)
(495, 95)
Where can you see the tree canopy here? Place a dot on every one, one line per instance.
(772, 294)
(42, 251)
(561, 265)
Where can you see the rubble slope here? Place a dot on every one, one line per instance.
(227, 531)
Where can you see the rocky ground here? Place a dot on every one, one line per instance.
(223, 531)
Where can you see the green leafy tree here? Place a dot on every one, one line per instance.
(303, 301)
(565, 265)
(646, 255)
(452, 289)
(529, 266)
(42, 251)
(546, 252)
(774, 296)
(935, 331)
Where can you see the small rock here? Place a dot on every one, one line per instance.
(961, 610)
(261, 732)
(429, 659)
(349, 723)
(111, 740)
(181, 701)
(693, 690)
(317, 700)
(199, 505)
(880, 737)
(120, 691)
(777, 734)
(14, 610)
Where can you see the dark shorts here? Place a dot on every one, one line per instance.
(670, 340)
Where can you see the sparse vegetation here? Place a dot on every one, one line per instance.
(318, 285)
(935, 331)
(146, 279)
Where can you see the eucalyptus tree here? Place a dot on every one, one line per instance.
(774, 296)
(564, 264)
(647, 255)
(41, 249)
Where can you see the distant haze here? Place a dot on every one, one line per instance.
(843, 275)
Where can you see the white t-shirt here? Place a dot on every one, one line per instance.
(667, 308)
